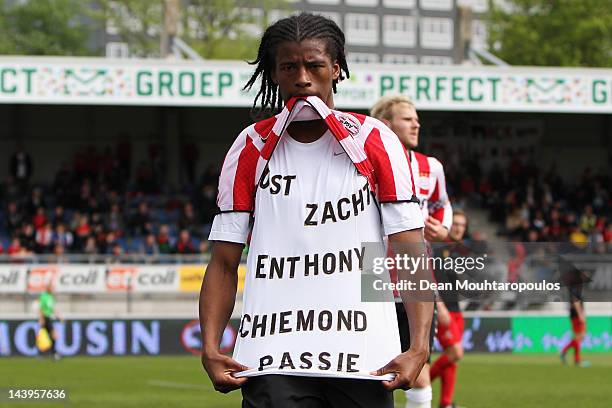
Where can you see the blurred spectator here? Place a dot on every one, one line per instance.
(13, 218)
(36, 201)
(82, 230)
(27, 237)
(21, 166)
(62, 236)
(188, 220)
(189, 157)
(106, 246)
(59, 215)
(39, 218)
(588, 220)
(44, 238)
(184, 245)
(163, 240)
(59, 254)
(117, 250)
(577, 236)
(114, 220)
(149, 246)
(62, 184)
(85, 195)
(14, 247)
(538, 221)
(140, 222)
(16, 250)
(607, 235)
(90, 246)
(210, 176)
(206, 203)
(11, 190)
(96, 221)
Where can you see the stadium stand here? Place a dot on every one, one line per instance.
(95, 207)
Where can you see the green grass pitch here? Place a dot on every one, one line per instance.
(484, 380)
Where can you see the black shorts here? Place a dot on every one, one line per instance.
(287, 391)
(48, 325)
(404, 328)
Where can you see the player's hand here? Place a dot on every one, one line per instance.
(406, 367)
(220, 368)
(434, 230)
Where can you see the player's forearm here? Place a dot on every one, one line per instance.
(417, 302)
(217, 299)
(419, 314)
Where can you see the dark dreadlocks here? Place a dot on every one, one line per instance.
(294, 28)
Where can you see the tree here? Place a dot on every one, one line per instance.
(43, 27)
(137, 22)
(228, 29)
(216, 29)
(552, 32)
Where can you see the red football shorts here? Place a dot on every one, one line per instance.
(451, 334)
(578, 326)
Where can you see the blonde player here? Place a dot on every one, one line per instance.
(399, 113)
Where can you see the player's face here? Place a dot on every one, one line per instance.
(458, 228)
(405, 124)
(305, 69)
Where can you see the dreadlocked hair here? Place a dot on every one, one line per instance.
(294, 28)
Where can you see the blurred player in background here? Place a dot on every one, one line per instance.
(48, 314)
(398, 112)
(450, 318)
(578, 319)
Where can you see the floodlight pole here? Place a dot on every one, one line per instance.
(171, 13)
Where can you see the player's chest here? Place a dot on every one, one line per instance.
(318, 191)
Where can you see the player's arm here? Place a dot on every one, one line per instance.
(229, 233)
(217, 298)
(419, 308)
(439, 207)
(403, 224)
(418, 303)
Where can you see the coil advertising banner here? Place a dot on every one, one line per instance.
(93, 278)
(13, 279)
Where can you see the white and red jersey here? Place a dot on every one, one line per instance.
(314, 206)
(430, 186)
(366, 141)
